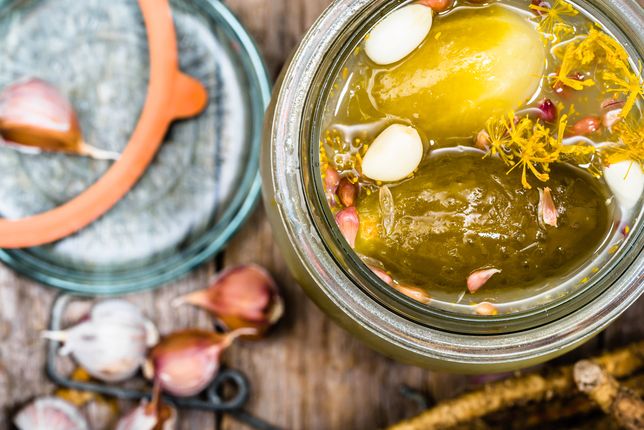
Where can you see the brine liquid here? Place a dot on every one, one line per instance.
(462, 210)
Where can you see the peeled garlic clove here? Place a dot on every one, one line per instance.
(478, 278)
(111, 345)
(50, 413)
(184, 363)
(242, 297)
(626, 181)
(349, 224)
(35, 114)
(399, 34)
(394, 154)
(547, 209)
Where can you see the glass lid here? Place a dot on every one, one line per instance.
(201, 185)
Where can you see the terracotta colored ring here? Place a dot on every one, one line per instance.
(170, 95)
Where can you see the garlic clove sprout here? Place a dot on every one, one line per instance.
(112, 343)
(242, 297)
(184, 363)
(35, 115)
(394, 154)
(399, 34)
(50, 413)
(478, 278)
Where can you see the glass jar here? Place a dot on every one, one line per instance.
(335, 278)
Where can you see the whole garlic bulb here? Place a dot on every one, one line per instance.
(112, 343)
(50, 413)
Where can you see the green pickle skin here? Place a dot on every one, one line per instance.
(461, 213)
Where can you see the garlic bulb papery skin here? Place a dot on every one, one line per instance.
(399, 34)
(394, 154)
(112, 344)
(626, 181)
(50, 413)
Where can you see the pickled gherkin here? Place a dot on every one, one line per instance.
(461, 213)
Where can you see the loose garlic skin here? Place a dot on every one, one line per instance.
(50, 413)
(626, 181)
(394, 154)
(399, 34)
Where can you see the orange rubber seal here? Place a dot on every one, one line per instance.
(170, 95)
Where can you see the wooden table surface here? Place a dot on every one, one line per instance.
(309, 374)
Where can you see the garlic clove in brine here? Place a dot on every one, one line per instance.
(184, 363)
(394, 154)
(50, 413)
(626, 181)
(241, 297)
(112, 343)
(348, 222)
(35, 115)
(547, 211)
(478, 278)
(399, 34)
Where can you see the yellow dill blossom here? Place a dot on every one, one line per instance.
(568, 67)
(601, 49)
(553, 24)
(629, 84)
(531, 146)
(630, 146)
(498, 137)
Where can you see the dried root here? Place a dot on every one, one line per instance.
(626, 406)
(519, 391)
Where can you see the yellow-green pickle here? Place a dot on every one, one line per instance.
(486, 153)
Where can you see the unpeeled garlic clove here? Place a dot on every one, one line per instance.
(548, 110)
(112, 343)
(486, 309)
(437, 5)
(398, 34)
(384, 276)
(349, 224)
(331, 182)
(626, 181)
(347, 192)
(152, 415)
(547, 211)
(184, 363)
(586, 125)
(394, 154)
(414, 293)
(34, 114)
(241, 297)
(478, 278)
(50, 413)
(482, 140)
